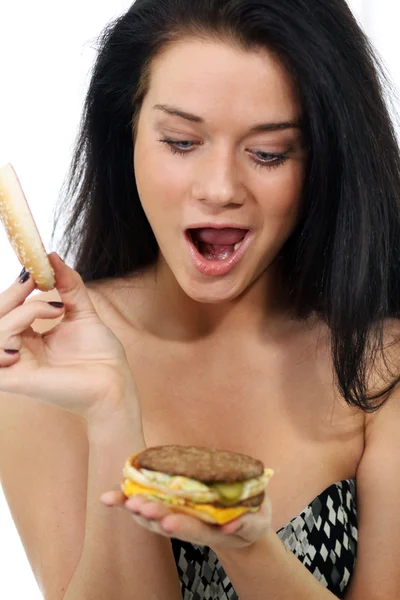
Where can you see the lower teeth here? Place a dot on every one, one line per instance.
(210, 255)
(221, 256)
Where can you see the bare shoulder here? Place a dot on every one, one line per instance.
(122, 296)
(384, 371)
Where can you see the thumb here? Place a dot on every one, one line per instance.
(71, 288)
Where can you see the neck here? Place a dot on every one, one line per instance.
(172, 314)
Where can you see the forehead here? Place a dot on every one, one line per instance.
(207, 77)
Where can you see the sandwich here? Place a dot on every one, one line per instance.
(216, 486)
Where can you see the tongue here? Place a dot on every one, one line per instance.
(220, 237)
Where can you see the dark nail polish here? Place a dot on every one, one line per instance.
(24, 276)
(22, 272)
(12, 352)
(57, 304)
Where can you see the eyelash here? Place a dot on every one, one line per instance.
(279, 158)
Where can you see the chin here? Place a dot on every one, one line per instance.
(213, 292)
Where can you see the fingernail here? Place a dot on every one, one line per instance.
(12, 352)
(24, 276)
(56, 304)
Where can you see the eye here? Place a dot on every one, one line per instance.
(179, 146)
(268, 160)
(260, 159)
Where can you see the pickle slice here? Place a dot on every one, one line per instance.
(229, 492)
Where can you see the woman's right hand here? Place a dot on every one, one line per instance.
(79, 365)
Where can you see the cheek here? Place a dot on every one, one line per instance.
(284, 194)
(161, 185)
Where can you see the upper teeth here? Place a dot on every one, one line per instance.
(236, 246)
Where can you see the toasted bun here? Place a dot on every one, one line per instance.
(205, 512)
(22, 231)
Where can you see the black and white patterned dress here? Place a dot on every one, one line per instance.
(323, 537)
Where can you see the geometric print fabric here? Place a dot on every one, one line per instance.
(323, 537)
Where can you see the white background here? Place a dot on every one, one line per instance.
(46, 52)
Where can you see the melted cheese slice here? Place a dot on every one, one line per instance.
(130, 488)
(221, 515)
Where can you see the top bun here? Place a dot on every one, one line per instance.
(22, 232)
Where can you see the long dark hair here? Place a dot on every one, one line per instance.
(342, 261)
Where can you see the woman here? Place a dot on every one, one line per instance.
(234, 210)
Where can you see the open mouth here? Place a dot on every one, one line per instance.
(216, 251)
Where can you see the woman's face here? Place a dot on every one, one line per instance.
(210, 168)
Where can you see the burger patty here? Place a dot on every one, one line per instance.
(203, 464)
(251, 502)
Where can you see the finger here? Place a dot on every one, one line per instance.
(233, 527)
(150, 509)
(72, 290)
(187, 528)
(240, 523)
(8, 357)
(146, 513)
(113, 498)
(15, 295)
(152, 525)
(20, 319)
(251, 525)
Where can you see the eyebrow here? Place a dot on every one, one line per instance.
(171, 110)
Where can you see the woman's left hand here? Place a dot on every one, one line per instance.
(159, 518)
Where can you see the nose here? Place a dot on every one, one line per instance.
(218, 180)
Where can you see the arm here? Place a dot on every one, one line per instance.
(57, 456)
(268, 570)
(119, 559)
(377, 573)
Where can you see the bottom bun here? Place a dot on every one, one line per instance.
(205, 512)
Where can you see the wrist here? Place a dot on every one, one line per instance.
(116, 420)
(266, 546)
